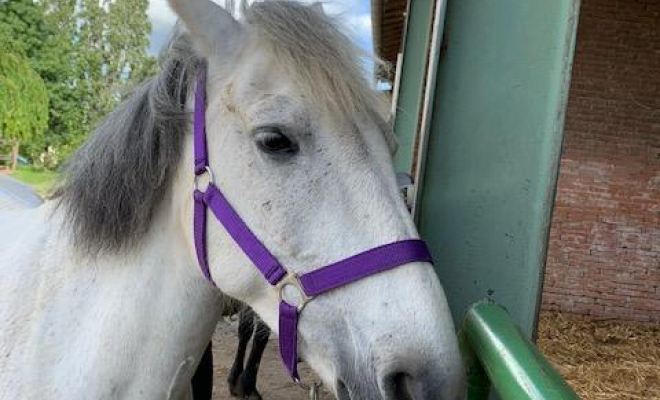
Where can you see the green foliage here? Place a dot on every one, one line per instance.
(88, 53)
(115, 37)
(46, 39)
(23, 95)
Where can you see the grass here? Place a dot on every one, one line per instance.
(41, 181)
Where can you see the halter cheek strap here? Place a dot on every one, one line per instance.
(305, 286)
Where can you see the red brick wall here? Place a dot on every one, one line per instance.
(604, 253)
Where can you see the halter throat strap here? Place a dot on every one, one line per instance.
(308, 285)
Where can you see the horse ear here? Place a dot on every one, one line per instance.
(212, 27)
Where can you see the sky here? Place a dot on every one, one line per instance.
(354, 14)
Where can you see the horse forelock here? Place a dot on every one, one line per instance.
(310, 47)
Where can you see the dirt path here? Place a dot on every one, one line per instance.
(273, 382)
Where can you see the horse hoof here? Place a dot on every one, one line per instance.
(234, 384)
(236, 391)
(254, 396)
(239, 392)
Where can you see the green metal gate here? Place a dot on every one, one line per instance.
(497, 354)
(487, 115)
(488, 170)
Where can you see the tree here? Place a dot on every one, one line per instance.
(113, 40)
(44, 33)
(23, 95)
(88, 52)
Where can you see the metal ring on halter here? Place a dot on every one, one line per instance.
(292, 280)
(207, 171)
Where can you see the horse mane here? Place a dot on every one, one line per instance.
(114, 183)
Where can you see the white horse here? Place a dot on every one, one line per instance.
(101, 295)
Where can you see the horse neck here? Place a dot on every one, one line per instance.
(165, 264)
(159, 299)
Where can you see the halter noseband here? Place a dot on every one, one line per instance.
(307, 285)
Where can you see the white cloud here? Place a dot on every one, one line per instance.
(335, 7)
(162, 20)
(355, 16)
(160, 13)
(360, 24)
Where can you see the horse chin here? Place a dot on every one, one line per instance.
(395, 386)
(359, 361)
(351, 380)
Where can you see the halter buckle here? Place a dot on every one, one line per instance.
(297, 298)
(207, 171)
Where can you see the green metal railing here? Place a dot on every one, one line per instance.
(496, 353)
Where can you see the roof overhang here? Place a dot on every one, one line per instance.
(388, 21)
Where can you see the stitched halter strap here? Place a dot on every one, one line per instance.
(308, 285)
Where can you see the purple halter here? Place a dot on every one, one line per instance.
(307, 285)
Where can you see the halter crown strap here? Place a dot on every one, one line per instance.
(199, 124)
(310, 284)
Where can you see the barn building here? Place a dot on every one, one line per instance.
(604, 252)
(603, 255)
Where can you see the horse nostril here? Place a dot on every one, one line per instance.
(397, 386)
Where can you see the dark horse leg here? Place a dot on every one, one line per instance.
(243, 380)
(249, 377)
(245, 329)
(202, 381)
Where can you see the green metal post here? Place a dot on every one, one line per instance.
(478, 384)
(493, 149)
(512, 363)
(409, 103)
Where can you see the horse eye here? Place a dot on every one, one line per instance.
(271, 140)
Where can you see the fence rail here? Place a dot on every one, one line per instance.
(497, 354)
